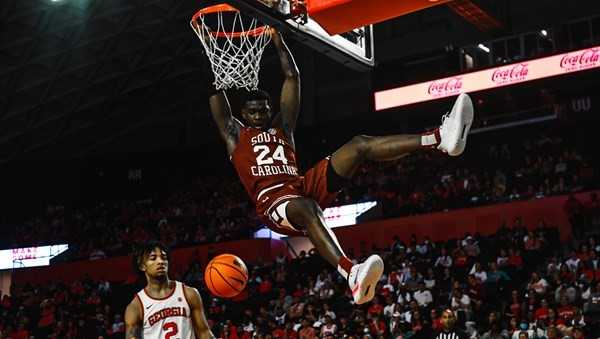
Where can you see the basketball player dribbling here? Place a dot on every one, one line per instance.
(164, 309)
(262, 150)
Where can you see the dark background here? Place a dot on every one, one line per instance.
(93, 89)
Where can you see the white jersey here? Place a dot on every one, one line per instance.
(167, 318)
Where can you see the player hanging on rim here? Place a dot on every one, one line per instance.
(263, 152)
(165, 308)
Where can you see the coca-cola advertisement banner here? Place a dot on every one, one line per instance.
(501, 76)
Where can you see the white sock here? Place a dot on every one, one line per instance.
(429, 140)
(343, 272)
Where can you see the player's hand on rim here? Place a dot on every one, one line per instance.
(274, 33)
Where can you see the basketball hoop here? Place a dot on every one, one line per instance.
(234, 45)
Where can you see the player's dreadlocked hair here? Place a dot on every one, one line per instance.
(257, 94)
(141, 251)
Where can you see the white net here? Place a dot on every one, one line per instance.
(234, 48)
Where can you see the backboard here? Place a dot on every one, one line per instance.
(353, 48)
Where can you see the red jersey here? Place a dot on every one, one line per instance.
(263, 159)
(266, 164)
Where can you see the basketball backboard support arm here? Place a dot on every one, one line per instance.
(354, 49)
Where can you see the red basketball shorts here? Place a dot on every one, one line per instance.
(272, 201)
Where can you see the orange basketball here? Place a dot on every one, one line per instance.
(226, 276)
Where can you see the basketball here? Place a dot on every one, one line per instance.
(226, 276)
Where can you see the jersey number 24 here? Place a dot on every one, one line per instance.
(263, 157)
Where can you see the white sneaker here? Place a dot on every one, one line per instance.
(456, 125)
(363, 279)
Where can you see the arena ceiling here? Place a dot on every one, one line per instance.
(78, 77)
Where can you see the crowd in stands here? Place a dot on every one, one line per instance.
(213, 209)
(518, 283)
(83, 309)
(496, 174)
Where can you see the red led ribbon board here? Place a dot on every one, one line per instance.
(340, 16)
(506, 75)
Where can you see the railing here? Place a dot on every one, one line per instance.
(570, 35)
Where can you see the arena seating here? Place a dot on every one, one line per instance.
(215, 209)
(524, 278)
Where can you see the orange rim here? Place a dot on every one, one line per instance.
(220, 8)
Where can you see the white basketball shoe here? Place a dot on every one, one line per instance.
(456, 125)
(363, 279)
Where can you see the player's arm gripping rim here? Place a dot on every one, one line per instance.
(197, 310)
(133, 320)
(290, 91)
(229, 127)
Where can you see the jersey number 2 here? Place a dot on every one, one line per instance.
(171, 329)
(263, 157)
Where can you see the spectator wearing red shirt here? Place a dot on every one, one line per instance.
(298, 292)
(265, 286)
(514, 258)
(566, 275)
(584, 252)
(436, 323)
(515, 305)
(46, 317)
(542, 312)
(460, 262)
(376, 308)
(77, 288)
(566, 311)
(377, 327)
(19, 333)
(552, 320)
(93, 299)
(288, 332)
(416, 322)
(460, 258)
(278, 333)
(60, 296)
(229, 331)
(307, 331)
(588, 271)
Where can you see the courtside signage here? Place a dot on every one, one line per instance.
(505, 75)
(30, 256)
(346, 215)
(338, 216)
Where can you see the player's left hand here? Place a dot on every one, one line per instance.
(274, 33)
